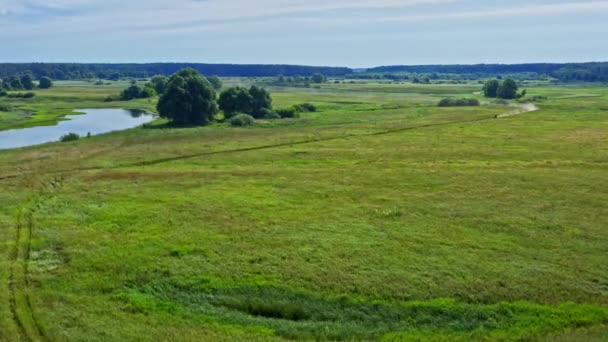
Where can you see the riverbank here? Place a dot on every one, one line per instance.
(51, 106)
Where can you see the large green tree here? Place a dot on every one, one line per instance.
(45, 83)
(490, 88)
(27, 82)
(133, 92)
(189, 99)
(159, 83)
(236, 100)
(262, 102)
(508, 89)
(319, 78)
(14, 83)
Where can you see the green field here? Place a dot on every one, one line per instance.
(379, 217)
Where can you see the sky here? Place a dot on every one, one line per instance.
(353, 33)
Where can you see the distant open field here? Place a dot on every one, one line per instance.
(379, 217)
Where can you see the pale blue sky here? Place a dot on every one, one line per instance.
(355, 33)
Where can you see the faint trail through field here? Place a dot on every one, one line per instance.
(519, 109)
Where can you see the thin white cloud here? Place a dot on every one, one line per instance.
(518, 11)
(113, 15)
(137, 17)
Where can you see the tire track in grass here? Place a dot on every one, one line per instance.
(13, 260)
(29, 329)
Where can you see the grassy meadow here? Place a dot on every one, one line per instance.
(379, 217)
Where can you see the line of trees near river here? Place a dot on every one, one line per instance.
(188, 98)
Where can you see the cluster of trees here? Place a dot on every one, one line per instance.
(189, 98)
(71, 71)
(299, 81)
(458, 103)
(254, 101)
(157, 85)
(506, 89)
(24, 82)
(133, 92)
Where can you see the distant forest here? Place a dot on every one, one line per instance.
(69, 71)
(586, 72)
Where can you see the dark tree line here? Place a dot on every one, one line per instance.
(588, 72)
(24, 82)
(67, 71)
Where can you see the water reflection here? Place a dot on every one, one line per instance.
(94, 121)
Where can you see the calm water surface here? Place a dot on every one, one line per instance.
(94, 121)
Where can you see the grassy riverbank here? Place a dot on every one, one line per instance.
(381, 216)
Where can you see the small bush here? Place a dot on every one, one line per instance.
(242, 120)
(272, 116)
(112, 98)
(533, 99)
(5, 107)
(306, 107)
(458, 103)
(3, 93)
(264, 112)
(288, 113)
(69, 137)
(27, 95)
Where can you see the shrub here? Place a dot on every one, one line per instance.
(45, 83)
(272, 115)
(288, 113)
(147, 92)
(69, 137)
(5, 107)
(112, 98)
(458, 103)
(27, 95)
(3, 93)
(242, 120)
(490, 88)
(306, 107)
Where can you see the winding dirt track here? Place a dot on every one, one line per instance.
(519, 109)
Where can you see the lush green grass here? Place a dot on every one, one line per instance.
(380, 216)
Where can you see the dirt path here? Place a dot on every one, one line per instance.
(519, 109)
